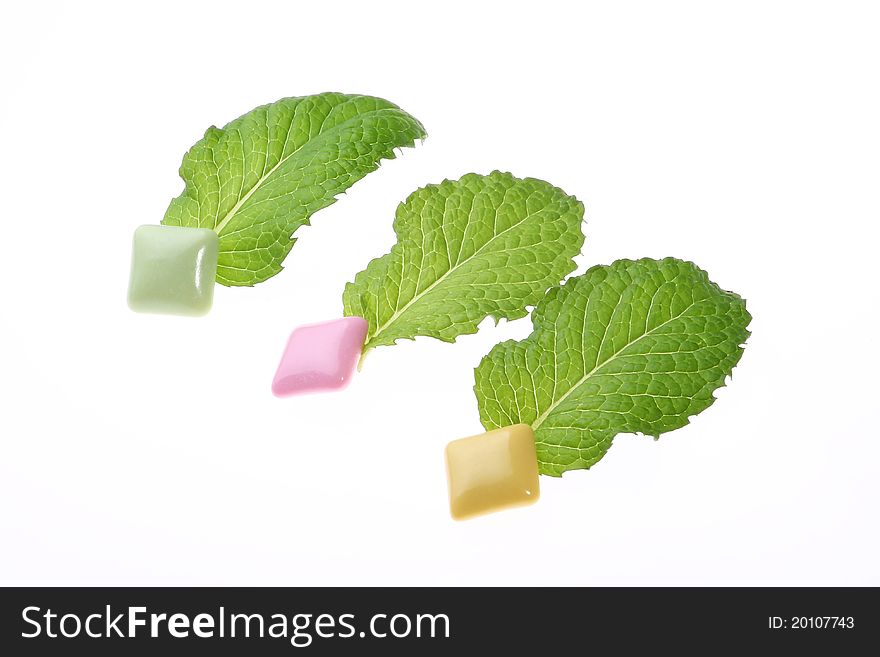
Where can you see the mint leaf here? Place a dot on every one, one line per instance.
(467, 249)
(634, 347)
(263, 175)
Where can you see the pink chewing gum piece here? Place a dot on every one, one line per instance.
(320, 357)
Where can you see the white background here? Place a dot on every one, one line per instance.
(148, 450)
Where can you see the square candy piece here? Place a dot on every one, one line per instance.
(492, 471)
(320, 357)
(173, 270)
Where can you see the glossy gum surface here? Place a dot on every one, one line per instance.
(173, 270)
(492, 471)
(320, 357)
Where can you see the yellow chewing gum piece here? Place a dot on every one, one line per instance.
(492, 471)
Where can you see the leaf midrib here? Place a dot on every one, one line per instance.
(218, 228)
(397, 313)
(554, 405)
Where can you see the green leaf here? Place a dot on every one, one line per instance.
(634, 347)
(468, 249)
(263, 175)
